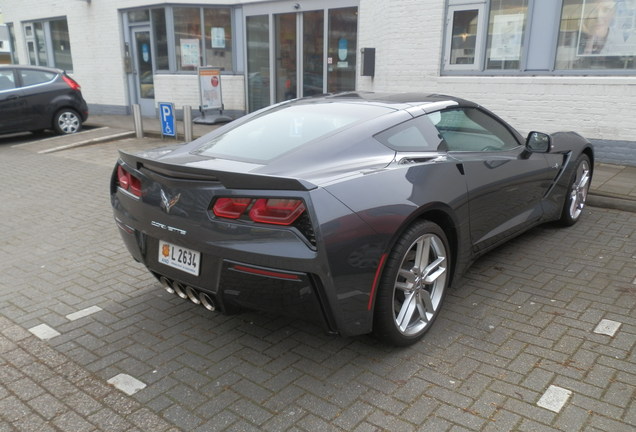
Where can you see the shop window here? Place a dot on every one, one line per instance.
(188, 37)
(597, 34)
(473, 35)
(208, 43)
(506, 26)
(61, 45)
(187, 32)
(217, 30)
(48, 44)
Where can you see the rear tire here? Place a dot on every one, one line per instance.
(578, 187)
(67, 121)
(413, 285)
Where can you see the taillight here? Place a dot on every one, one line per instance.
(231, 208)
(128, 182)
(278, 211)
(71, 82)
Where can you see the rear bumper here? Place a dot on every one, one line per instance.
(233, 284)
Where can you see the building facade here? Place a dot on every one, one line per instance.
(546, 64)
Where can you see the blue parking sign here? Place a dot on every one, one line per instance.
(166, 112)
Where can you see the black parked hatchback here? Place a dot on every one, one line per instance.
(34, 98)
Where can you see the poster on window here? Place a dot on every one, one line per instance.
(218, 37)
(189, 52)
(210, 88)
(607, 28)
(507, 35)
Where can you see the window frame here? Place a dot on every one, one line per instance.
(481, 39)
(31, 40)
(171, 39)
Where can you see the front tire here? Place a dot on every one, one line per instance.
(413, 285)
(578, 187)
(67, 121)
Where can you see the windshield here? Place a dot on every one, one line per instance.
(286, 128)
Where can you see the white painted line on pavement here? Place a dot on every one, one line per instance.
(89, 141)
(607, 327)
(83, 313)
(126, 383)
(44, 332)
(57, 137)
(554, 398)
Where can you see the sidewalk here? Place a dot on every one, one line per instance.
(613, 186)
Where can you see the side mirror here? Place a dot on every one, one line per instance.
(538, 142)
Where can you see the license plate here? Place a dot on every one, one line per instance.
(179, 257)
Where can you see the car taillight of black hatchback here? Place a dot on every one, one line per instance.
(71, 82)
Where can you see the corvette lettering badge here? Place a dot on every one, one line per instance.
(168, 227)
(167, 203)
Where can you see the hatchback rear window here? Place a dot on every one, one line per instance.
(33, 77)
(286, 128)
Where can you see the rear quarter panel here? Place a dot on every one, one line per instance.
(381, 205)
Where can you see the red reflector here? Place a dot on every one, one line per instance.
(231, 208)
(71, 82)
(376, 280)
(277, 211)
(269, 273)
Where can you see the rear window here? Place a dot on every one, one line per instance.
(283, 129)
(32, 77)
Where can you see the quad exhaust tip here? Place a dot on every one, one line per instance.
(188, 293)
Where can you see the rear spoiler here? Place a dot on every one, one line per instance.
(231, 180)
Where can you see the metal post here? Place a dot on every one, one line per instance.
(187, 122)
(139, 128)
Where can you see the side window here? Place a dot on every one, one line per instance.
(33, 77)
(412, 135)
(7, 80)
(472, 130)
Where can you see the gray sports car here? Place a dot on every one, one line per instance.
(356, 211)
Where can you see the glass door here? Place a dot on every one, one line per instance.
(143, 71)
(258, 74)
(342, 51)
(313, 53)
(299, 54)
(286, 46)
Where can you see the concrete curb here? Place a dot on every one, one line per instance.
(595, 199)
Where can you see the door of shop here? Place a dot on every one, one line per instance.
(142, 70)
(301, 61)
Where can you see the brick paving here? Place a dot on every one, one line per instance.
(538, 336)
